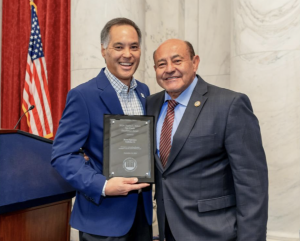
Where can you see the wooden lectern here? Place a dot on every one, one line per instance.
(35, 202)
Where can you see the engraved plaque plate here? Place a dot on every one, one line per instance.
(128, 147)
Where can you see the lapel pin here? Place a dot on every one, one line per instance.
(142, 95)
(197, 103)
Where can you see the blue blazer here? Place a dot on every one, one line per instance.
(81, 126)
(215, 183)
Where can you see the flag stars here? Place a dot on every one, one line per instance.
(35, 49)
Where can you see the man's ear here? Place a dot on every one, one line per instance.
(196, 61)
(103, 51)
(154, 66)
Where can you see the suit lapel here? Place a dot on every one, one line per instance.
(141, 95)
(108, 94)
(188, 120)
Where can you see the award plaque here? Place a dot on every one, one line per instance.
(128, 147)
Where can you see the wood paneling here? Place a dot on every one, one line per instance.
(43, 223)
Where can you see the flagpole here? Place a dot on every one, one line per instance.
(33, 4)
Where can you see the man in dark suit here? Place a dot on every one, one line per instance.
(211, 171)
(114, 209)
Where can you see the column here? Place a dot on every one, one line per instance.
(265, 64)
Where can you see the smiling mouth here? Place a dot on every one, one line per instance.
(170, 78)
(126, 64)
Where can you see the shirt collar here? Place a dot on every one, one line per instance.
(185, 96)
(117, 84)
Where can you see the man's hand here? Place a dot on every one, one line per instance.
(86, 158)
(121, 186)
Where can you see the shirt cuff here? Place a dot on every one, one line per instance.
(103, 190)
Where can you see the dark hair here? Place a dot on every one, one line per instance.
(104, 37)
(189, 47)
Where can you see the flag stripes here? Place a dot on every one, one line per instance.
(36, 90)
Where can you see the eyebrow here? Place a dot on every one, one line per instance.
(117, 43)
(176, 56)
(173, 57)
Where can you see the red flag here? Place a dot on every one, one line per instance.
(35, 90)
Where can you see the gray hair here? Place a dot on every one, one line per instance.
(105, 37)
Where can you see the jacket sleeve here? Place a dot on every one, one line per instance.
(249, 168)
(73, 131)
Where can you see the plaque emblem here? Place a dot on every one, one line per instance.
(129, 164)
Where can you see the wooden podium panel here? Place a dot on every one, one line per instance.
(42, 223)
(35, 201)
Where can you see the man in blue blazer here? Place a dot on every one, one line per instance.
(119, 208)
(211, 171)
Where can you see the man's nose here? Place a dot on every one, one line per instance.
(170, 68)
(127, 52)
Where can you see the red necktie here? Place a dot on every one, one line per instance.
(166, 133)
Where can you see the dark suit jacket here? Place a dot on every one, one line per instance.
(215, 184)
(82, 126)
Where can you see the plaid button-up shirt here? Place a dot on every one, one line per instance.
(128, 98)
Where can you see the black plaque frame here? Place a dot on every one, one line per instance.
(106, 143)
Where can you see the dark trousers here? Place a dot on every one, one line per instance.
(168, 234)
(140, 230)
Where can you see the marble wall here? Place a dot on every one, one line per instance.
(249, 46)
(156, 18)
(87, 20)
(265, 61)
(206, 24)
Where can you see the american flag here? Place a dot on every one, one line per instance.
(35, 90)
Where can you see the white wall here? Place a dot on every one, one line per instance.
(265, 64)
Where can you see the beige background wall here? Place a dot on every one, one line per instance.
(250, 46)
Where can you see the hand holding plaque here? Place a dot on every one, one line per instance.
(128, 147)
(122, 186)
